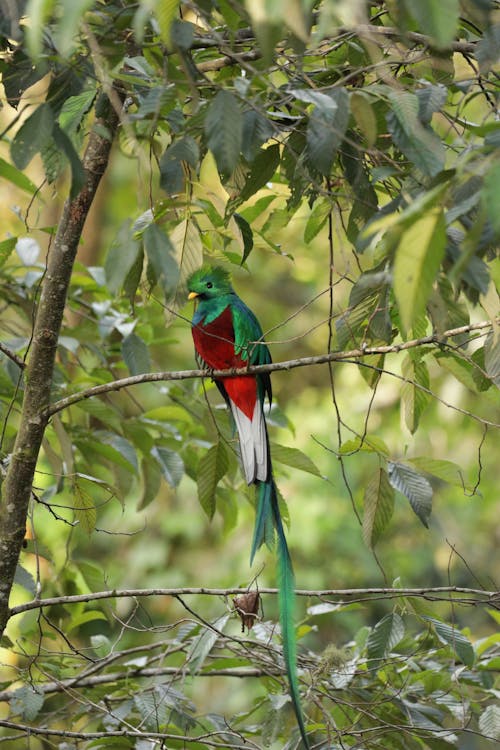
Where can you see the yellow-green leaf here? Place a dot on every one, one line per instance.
(418, 257)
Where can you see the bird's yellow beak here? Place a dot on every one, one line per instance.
(193, 295)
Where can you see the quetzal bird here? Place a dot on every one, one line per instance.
(227, 335)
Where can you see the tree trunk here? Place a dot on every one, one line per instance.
(40, 366)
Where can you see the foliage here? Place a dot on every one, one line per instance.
(346, 146)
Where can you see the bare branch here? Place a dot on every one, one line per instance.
(477, 595)
(321, 359)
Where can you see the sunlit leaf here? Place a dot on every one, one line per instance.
(418, 257)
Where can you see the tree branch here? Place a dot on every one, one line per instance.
(321, 359)
(39, 370)
(478, 596)
(13, 356)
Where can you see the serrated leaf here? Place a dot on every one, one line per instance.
(33, 135)
(414, 487)
(489, 722)
(74, 110)
(326, 129)
(136, 354)
(378, 507)
(211, 468)
(295, 458)
(170, 463)
(416, 141)
(223, 130)
(84, 508)
(384, 636)
(418, 258)
(458, 367)
(454, 638)
(204, 643)
(413, 398)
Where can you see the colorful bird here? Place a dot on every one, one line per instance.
(227, 335)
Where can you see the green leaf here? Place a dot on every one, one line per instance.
(370, 443)
(189, 254)
(136, 354)
(10, 173)
(6, 248)
(489, 722)
(223, 130)
(74, 110)
(447, 471)
(38, 11)
(462, 370)
(170, 463)
(151, 483)
(417, 141)
(256, 130)
(295, 458)
(492, 355)
(414, 487)
(317, 219)
(211, 468)
(172, 169)
(418, 258)
(261, 172)
(64, 144)
(384, 636)
(204, 643)
(246, 234)
(451, 636)
(33, 135)
(437, 19)
(162, 257)
(165, 11)
(378, 507)
(84, 507)
(122, 446)
(326, 129)
(414, 400)
(26, 702)
(72, 13)
(121, 257)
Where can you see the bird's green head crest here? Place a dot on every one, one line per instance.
(209, 282)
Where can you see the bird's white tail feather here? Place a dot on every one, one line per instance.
(253, 443)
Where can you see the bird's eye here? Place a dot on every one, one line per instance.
(209, 285)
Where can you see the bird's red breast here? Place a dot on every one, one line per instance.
(214, 342)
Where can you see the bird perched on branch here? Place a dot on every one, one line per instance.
(227, 335)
